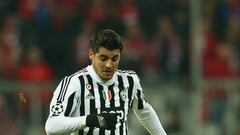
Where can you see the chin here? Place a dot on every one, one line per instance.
(107, 77)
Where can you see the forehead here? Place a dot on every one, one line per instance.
(104, 51)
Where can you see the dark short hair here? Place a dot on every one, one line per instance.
(106, 38)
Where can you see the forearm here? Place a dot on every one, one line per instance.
(150, 121)
(64, 125)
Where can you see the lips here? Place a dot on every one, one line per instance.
(108, 72)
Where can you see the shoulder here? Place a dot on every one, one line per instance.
(70, 83)
(73, 79)
(80, 72)
(128, 73)
(75, 76)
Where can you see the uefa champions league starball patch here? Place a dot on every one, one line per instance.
(57, 109)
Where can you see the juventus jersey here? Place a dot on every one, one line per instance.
(85, 93)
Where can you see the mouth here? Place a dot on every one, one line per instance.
(108, 72)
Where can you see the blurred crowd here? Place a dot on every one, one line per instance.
(44, 40)
(154, 34)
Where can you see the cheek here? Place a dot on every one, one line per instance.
(99, 64)
(116, 64)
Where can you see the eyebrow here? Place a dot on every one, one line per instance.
(103, 55)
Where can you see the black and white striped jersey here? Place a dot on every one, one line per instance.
(85, 93)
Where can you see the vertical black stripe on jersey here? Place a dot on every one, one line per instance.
(64, 88)
(92, 102)
(69, 105)
(121, 87)
(140, 100)
(64, 92)
(61, 89)
(102, 103)
(112, 103)
(82, 106)
(130, 89)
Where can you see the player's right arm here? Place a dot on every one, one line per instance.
(63, 103)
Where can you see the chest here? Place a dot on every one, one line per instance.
(100, 98)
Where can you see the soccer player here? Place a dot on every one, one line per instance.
(96, 100)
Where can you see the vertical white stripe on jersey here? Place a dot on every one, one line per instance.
(107, 132)
(126, 85)
(124, 128)
(117, 131)
(87, 101)
(65, 88)
(64, 82)
(97, 96)
(116, 96)
(96, 131)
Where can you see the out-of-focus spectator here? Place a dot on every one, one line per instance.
(174, 126)
(232, 34)
(219, 61)
(180, 23)
(62, 10)
(135, 44)
(210, 41)
(209, 8)
(222, 64)
(33, 69)
(214, 106)
(82, 45)
(9, 47)
(224, 10)
(111, 20)
(27, 7)
(96, 11)
(127, 12)
(168, 48)
(8, 127)
(70, 6)
(233, 31)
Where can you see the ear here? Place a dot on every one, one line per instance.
(90, 54)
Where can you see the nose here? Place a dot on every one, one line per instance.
(109, 64)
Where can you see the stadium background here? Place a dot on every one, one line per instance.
(185, 51)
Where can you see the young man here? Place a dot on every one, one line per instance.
(96, 100)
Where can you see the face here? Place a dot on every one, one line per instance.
(105, 62)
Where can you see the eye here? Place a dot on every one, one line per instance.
(115, 58)
(103, 58)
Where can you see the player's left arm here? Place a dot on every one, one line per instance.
(145, 113)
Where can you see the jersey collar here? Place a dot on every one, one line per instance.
(97, 78)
